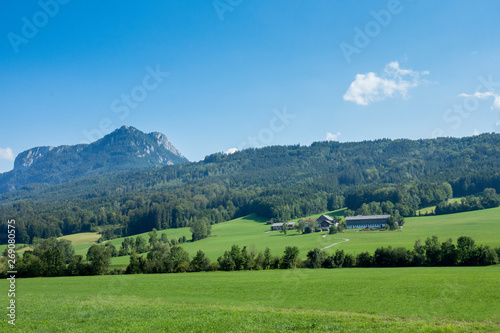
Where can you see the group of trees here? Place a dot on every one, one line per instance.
(432, 253)
(320, 259)
(54, 257)
(166, 259)
(405, 199)
(200, 229)
(489, 199)
(139, 245)
(337, 229)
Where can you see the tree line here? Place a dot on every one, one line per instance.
(489, 199)
(54, 257)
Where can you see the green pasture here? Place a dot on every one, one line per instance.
(81, 242)
(438, 299)
(251, 231)
(483, 226)
(432, 208)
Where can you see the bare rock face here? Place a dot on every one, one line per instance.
(127, 148)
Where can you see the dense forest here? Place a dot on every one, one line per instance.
(277, 182)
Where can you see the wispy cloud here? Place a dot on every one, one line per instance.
(231, 151)
(476, 132)
(485, 95)
(394, 81)
(7, 154)
(332, 137)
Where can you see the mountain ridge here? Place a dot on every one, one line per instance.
(125, 149)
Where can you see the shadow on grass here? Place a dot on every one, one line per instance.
(254, 218)
(287, 235)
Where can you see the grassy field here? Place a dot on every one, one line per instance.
(82, 238)
(251, 231)
(483, 226)
(432, 208)
(247, 231)
(440, 299)
(81, 242)
(453, 299)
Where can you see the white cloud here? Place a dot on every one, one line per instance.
(479, 95)
(332, 137)
(370, 87)
(484, 95)
(231, 151)
(498, 123)
(476, 132)
(496, 103)
(7, 154)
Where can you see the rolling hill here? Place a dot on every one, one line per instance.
(251, 231)
(279, 182)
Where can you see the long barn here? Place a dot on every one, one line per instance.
(370, 221)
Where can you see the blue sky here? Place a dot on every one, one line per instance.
(216, 75)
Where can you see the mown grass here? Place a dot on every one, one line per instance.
(454, 299)
(82, 238)
(251, 231)
(81, 242)
(483, 226)
(428, 210)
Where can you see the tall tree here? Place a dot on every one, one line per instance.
(100, 258)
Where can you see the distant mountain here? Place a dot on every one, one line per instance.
(126, 148)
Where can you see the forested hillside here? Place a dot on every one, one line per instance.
(279, 182)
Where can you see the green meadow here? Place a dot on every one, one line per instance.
(438, 299)
(428, 210)
(251, 231)
(482, 225)
(417, 299)
(81, 241)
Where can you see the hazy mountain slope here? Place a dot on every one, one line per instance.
(126, 148)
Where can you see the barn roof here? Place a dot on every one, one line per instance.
(280, 224)
(324, 218)
(367, 217)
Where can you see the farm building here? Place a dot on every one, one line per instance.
(277, 226)
(370, 221)
(325, 222)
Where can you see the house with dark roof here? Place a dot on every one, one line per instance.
(366, 221)
(325, 222)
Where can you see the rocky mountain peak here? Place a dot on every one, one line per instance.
(126, 148)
